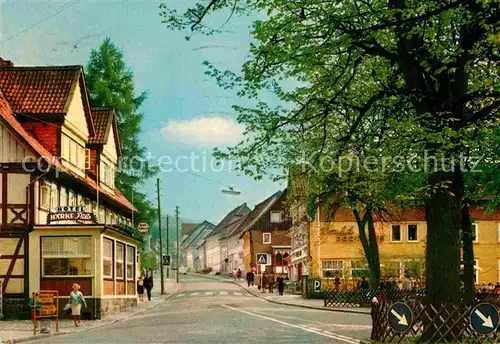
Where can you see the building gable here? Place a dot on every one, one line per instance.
(76, 119)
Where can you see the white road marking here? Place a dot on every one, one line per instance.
(304, 328)
(194, 294)
(178, 295)
(209, 293)
(223, 293)
(238, 294)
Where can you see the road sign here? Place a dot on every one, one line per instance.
(484, 318)
(166, 260)
(262, 258)
(317, 286)
(400, 317)
(143, 227)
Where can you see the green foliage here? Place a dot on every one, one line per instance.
(111, 83)
(149, 261)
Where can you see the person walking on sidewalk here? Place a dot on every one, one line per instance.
(76, 301)
(249, 273)
(148, 284)
(281, 285)
(238, 274)
(140, 288)
(270, 282)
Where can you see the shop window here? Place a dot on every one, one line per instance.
(266, 238)
(107, 258)
(412, 233)
(120, 260)
(396, 233)
(66, 256)
(130, 262)
(332, 268)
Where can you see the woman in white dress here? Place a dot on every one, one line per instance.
(76, 300)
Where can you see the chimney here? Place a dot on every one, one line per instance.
(5, 63)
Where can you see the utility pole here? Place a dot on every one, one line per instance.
(159, 230)
(168, 267)
(178, 238)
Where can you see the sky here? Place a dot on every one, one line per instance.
(186, 114)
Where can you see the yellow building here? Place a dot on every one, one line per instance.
(335, 250)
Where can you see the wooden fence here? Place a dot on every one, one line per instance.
(430, 324)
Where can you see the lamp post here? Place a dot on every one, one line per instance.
(161, 243)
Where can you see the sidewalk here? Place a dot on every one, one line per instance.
(18, 331)
(286, 299)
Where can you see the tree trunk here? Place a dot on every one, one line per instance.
(468, 254)
(370, 245)
(443, 215)
(374, 262)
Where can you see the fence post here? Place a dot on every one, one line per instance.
(1, 301)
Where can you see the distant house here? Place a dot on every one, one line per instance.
(265, 234)
(189, 246)
(212, 241)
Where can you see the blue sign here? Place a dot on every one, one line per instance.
(484, 318)
(400, 317)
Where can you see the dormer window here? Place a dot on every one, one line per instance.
(72, 151)
(276, 216)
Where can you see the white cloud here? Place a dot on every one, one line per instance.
(204, 131)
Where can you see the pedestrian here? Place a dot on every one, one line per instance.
(281, 285)
(238, 274)
(248, 277)
(258, 279)
(406, 283)
(235, 274)
(364, 283)
(264, 281)
(148, 284)
(252, 277)
(76, 301)
(140, 288)
(270, 282)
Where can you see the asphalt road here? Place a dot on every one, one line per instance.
(209, 312)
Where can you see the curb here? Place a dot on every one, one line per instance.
(125, 317)
(280, 302)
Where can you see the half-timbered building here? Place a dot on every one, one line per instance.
(62, 220)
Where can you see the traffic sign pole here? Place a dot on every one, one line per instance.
(161, 243)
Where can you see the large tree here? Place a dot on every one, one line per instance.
(434, 63)
(111, 83)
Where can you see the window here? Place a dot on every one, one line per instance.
(107, 258)
(72, 151)
(359, 269)
(120, 255)
(475, 232)
(54, 197)
(392, 269)
(266, 238)
(102, 217)
(412, 233)
(87, 159)
(333, 268)
(276, 216)
(66, 256)
(396, 233)
(71, 198)
(64, 197)
(45, 197)
(130, 262)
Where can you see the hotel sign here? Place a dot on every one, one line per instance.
(71, 214)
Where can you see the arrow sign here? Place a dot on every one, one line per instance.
(484, 318)
(400, 317)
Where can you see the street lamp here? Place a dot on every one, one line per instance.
(231, 191)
